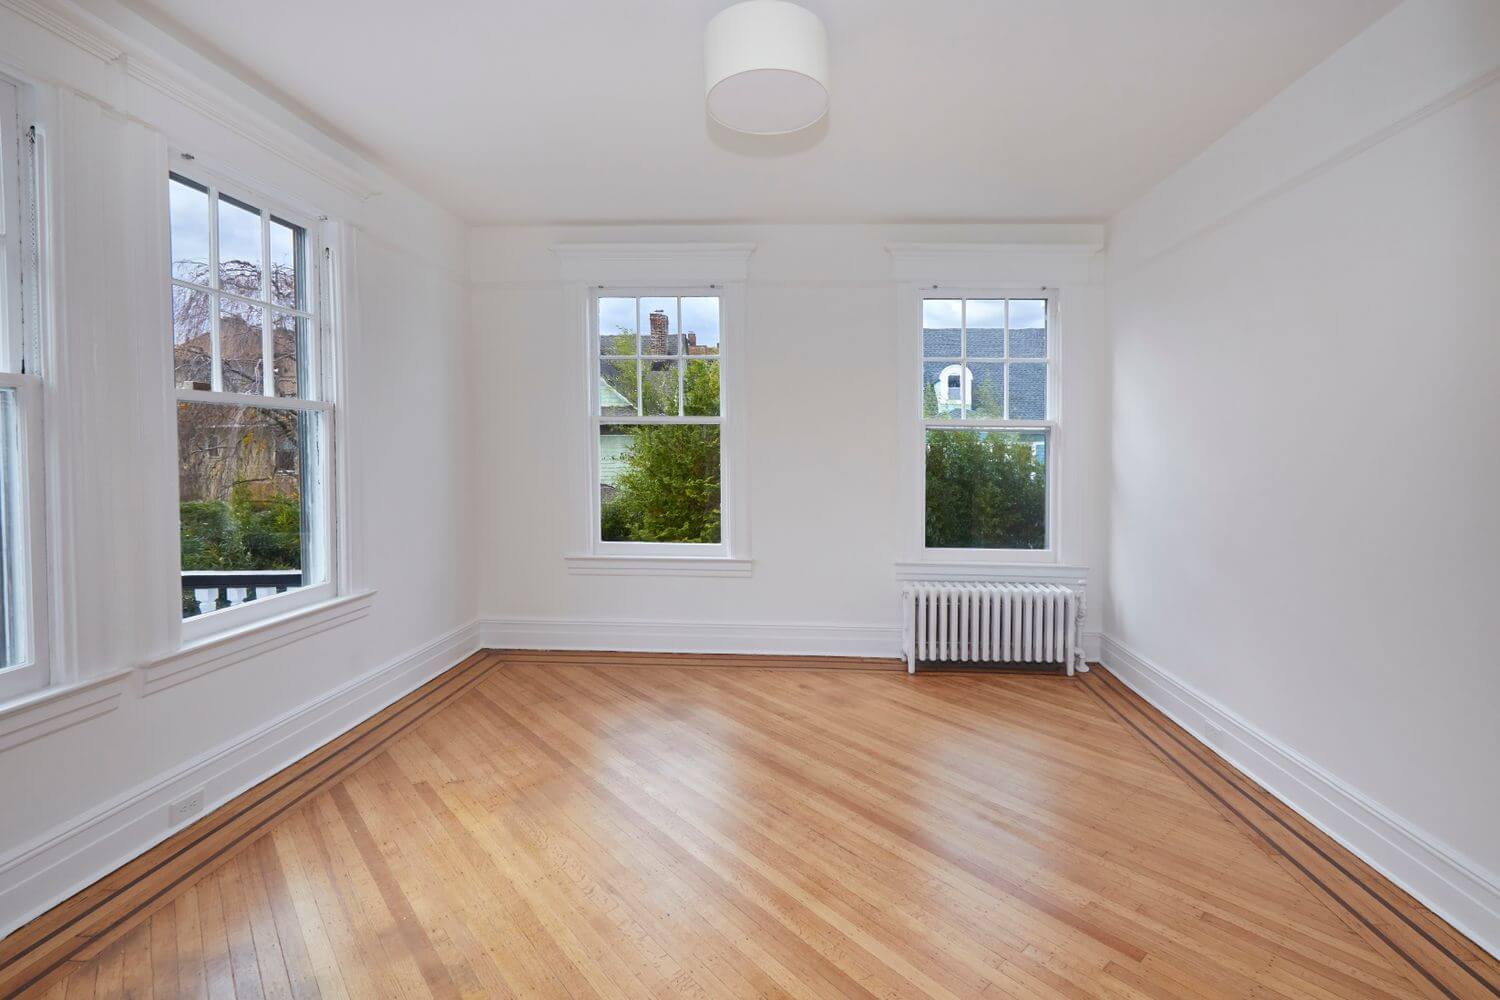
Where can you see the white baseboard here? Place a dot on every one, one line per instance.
(74, 854)
(1453, 887)
(650, 636)
(1091, 642)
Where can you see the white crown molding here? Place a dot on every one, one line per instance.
(1453, 887)
(1050, 263)
(653, 636)
(246, 124)
(69, 29)
(700, 566)
(74, 27)
(55, 709)
(643, 263)
(225, 650)
(72, 855)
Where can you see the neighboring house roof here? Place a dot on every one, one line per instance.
(1028, 378)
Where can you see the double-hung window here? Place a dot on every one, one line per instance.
(22, 663)
(656, 402)
(987, 409)
(252, 366)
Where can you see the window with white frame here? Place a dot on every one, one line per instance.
(986, 412)
(22, 663)
(252, 369)
(658, 421)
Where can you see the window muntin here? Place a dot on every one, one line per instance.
(658, 415)
(986, 410)
(254, 413)
(22, 637)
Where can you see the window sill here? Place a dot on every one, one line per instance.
(44, 712)
(996, 572)
(225, 649)
(700, 566)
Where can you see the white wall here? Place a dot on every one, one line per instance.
(825, 486)
(83, 796)
(1306, 448)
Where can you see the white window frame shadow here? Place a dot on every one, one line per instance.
(592, 271)
(324, 248)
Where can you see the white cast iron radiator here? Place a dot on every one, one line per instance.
(992, 623)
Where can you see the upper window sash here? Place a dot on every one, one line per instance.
(285, 299)
(984, 362)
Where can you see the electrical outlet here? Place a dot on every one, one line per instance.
(186, 807)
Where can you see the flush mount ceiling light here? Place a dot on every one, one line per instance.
(767, 63)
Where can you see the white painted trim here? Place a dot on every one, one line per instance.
(74, 854)
(1453, 887)
(703, 566)
(54, 709)
(229, 648)
(1091, 642)
(651, 636)
(649, 263)
(245, 123)
(54, 20)
(992, 572)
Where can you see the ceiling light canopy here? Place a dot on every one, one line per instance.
(767, 63)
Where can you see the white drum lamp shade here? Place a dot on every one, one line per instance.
(767, 63)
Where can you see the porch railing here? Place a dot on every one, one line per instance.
(211, 590)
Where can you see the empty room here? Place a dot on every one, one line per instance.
(608, 499)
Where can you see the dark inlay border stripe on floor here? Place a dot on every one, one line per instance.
(1447, 972)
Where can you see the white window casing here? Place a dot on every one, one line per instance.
(671, 272)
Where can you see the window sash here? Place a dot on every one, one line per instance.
(1051, 426)
(598, 420)
(316, 393)
(312, 265)
(1005, 358)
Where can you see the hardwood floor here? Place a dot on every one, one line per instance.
(538, 825)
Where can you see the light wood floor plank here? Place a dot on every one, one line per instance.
(653, 825)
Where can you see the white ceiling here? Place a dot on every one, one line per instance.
(943, 110)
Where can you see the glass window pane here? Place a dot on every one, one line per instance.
(617, 388)
(700, 325)
(659, 326)
(1028, 328)
(189, 215)
(245, 488)
(616, 326)
(12, 596)
(288, 265)
(987, 396)
(239, 248)
(986, 489)
(942, 327)
(192, 338)
(659, 483)
(241, 352)
(985, 319)
(943, 385)
(700, 388)
(659, 389)
(290, 355)
(1028, 391)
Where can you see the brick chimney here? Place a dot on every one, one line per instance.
(659, 342)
